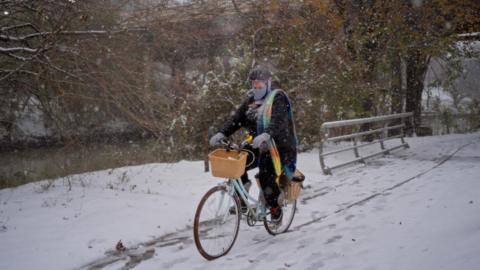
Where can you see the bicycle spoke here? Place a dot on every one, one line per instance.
(288, 210)
(215, 227)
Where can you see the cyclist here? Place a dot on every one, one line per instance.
(267, 114)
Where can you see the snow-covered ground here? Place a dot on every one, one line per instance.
(414, 209)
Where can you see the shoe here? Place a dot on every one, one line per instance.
(276, 215)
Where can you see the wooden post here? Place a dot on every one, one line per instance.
(205, 159)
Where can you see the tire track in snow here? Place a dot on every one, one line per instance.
(141, 252)
(144, 251)
(383, 192)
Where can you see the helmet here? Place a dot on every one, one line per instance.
(259, 73)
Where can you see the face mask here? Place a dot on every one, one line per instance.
(259, 94)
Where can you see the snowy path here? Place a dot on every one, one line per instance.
(415, 209)
(361, 230)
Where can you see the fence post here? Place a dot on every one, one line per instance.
(323, 137)
(402, 132)
(413, 126)
(355, 150)
(382, 136)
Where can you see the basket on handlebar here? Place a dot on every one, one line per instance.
(228, 163)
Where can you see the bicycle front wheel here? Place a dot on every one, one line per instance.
(217, 222)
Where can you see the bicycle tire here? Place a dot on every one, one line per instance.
(289, 209)
(204, 227)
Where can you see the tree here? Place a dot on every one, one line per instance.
(384, 35)
(79, 65)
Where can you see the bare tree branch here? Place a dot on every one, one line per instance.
(70, 33)
(18, 49)
(19, 26)
(19, 71)
(12, 72)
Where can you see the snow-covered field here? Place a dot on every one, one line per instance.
(417, 208)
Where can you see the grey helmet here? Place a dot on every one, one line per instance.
(259, 73)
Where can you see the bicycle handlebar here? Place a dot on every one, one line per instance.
(232, 146)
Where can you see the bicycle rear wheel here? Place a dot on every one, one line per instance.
(288, 209)
(217, 222)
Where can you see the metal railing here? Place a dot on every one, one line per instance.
(356, 124)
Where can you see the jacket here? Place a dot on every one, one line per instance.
(279, 128)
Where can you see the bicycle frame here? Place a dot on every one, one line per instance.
(259, 211)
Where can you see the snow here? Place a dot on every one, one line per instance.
(474, 34)
(414, 209)
(436, 92)
(15, 49)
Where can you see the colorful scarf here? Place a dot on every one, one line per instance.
(263, 121)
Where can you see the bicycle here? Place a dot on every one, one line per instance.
(217, 218)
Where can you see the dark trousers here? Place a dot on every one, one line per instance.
(249, 160)
(266, 174)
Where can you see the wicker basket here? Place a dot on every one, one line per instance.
(228, 164)
(291, 188)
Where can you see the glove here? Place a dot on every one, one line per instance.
(216, 139)
(261, 142)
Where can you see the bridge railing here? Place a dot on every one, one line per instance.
(387, 123)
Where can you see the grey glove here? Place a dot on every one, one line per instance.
(216, 139)
(261, 141)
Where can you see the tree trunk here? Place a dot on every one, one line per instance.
(416, 68)
(396, 90)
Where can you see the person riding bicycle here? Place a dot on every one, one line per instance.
(267, 114)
